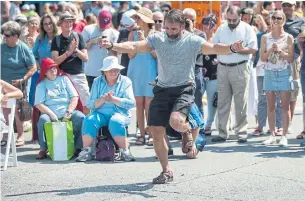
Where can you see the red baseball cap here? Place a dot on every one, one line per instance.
(105, 19)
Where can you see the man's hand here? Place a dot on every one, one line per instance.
(17, 83)
(238, 46)
(105, 43)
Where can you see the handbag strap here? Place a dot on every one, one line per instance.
(24, 91)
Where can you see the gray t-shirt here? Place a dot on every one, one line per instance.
(176, 58)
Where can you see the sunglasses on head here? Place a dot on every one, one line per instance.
(158, 21)
(276, 18)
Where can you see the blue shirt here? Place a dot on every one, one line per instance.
(42, 49)
(55, 94)
(15, 61)
(122, 89)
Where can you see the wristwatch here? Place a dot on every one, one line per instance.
(68, 112)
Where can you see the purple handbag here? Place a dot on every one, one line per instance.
(105, 149)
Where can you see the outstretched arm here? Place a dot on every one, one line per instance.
(127, 47)
(222, 49)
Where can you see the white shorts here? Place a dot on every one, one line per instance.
(81, 85)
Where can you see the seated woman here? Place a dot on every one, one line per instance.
(7, 91)
(56, 98)
(110, 103)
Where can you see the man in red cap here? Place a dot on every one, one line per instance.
(92, 35)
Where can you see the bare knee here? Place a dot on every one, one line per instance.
(158, 132)
(177, 121)
(271, 107)
(285, 106)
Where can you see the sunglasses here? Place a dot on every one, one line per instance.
(137, 17)
(7, 35)
(47, 24)
(158, 21)
(277, 18)
(165, 11)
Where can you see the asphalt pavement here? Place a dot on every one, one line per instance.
(222, 172)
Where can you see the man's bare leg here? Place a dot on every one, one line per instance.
(160, 146)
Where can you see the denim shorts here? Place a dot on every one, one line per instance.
(195, 117)
(277, 80)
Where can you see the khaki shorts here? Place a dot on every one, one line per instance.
(81, 85)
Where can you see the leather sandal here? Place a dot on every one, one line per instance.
(187, 141)
(164, 178)
(41, 155)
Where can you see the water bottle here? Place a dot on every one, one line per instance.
(200, 141)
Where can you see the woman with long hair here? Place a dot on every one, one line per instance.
(42, 47)
(260, 23)
(142, 69)
(277, 49)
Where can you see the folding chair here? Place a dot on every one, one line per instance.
(11, 135)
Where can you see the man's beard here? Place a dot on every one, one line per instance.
(173, 37)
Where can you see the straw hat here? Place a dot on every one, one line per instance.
(146, 15)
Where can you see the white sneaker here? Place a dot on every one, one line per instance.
(283, 142)
(270, 140)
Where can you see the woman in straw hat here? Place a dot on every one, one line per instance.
(142, 69)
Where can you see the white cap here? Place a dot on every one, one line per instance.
(126, 18)
(111, 62)
(292, 2)
(32, 7)
(25, 7)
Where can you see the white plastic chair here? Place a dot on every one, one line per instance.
(11, 136)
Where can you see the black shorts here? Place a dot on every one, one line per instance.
(168, 100)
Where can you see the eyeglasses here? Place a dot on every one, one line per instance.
(232, 20)
(277, 18)
(47, 24)
(286, 5)
(158, 21)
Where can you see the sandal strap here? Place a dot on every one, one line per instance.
(163, 178)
